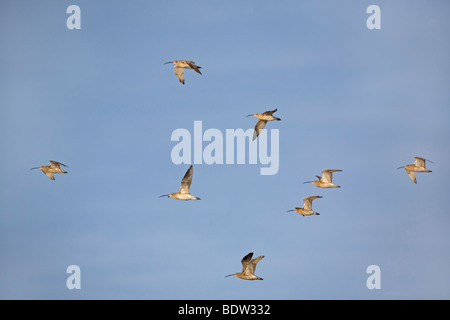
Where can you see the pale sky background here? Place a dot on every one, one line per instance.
(101, 101)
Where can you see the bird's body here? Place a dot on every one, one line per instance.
(307, 210)
(263, 118)
(180, 65)
(325, 181)
(53, 167)
(248, 268)
(183, 193)
(417, 166)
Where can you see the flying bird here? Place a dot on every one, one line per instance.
(248, 268)
(180, 65)
(417, 166)
(326, 180)
(307, 210)
(53, 167)
(263, 118)
(183, 193)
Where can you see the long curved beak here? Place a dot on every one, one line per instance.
(249, 115)
(168, 62)
(289, 211)
(164, 195)
(307, 182)
(400, 167)
(35, 168)
(229, 275)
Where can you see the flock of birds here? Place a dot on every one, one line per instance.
(325, 181)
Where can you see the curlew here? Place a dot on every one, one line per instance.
(326, 180)
(53, 167)
(180, 65)
(417, 166)
(248, 268)
(307, 210)
(263, 118)
(183, 193)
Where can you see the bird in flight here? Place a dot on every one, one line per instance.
(417, 166)
(307, 210)
(325, 181)
(180, 65)
(263, 118)
(248, 268)
(53, 167)
(183, 193)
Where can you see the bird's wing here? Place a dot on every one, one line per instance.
(50, 175)
(57, 164)
(412, 175)
(251, 266)
(245, 260)
(193, 66)
(179, 71)
(420, 162)
(307, 202)
(270, 112)
(186, 181)
(327, 174)
(258, 127)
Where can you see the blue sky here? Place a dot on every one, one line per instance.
(101, 101)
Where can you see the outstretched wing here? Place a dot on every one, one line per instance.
(258, 127)
(245, 260)
(307, 202)
(270, 112)
(56, 163)
(250, 267)
(193, 66)
(412, 175)
(179, 71)
(420, 162)
(50, 175)
(186, 181)
(327, 174)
